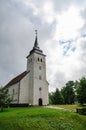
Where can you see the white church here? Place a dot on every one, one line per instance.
(31, 86)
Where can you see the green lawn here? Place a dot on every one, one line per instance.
(41, 119)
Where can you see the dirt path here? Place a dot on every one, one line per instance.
(59, 108)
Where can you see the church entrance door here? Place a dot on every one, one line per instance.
(40, 102)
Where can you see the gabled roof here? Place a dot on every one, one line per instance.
(17, 78)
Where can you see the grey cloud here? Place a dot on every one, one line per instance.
(83, 15)
(15, 38)
(61, 5)
(17, 25)
(60, 79)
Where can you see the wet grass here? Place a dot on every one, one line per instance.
(41, 119)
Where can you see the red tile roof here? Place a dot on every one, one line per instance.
(17, 78)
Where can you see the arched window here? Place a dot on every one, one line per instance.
(41, 59)
(38, 58)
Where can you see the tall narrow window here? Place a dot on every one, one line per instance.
(40, 89)
(40, 77)
(41, 59)
(38, 59)
(13, 91)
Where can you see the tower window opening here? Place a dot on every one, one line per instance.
(41, 60)
(38, 59)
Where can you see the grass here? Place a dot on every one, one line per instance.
(41, 119)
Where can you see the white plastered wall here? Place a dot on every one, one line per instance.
(14, 92)
(24, 90)
(43, 93)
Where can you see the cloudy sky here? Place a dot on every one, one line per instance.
(61, 26)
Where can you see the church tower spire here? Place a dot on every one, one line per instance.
(36, 48)
(36, 41)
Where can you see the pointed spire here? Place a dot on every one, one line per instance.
(36, 48)
(36, 41)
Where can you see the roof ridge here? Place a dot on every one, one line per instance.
(17, 78)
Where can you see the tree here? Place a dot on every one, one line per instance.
(51, 97)
(81, 90)
(5, 98)
(68, 92)
(56, 97)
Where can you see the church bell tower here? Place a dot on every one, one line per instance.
(38, 85)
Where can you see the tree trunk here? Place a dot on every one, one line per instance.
(2, 108)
